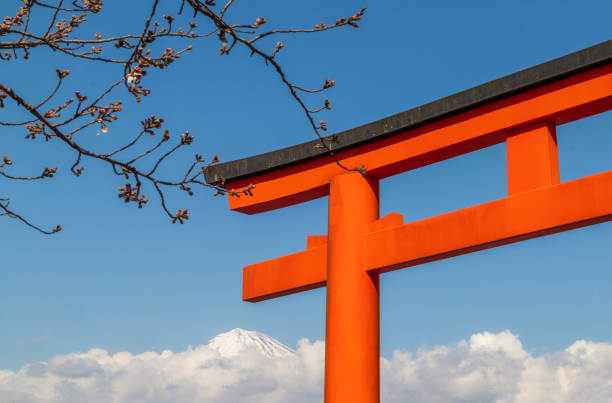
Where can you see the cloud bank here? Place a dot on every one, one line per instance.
(486, 368)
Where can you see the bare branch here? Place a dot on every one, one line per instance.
(4, 204)
(136, 56)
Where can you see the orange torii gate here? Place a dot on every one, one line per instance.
(522, 109)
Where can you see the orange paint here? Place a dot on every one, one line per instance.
(527, 215)
(392, 245)
(285, 275)
(533, 161)
(560, 102)
(351, 336)
(359, 246)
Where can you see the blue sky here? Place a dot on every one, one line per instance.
(120, 278)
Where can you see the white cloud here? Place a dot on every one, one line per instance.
(486, 368)
(495, 368)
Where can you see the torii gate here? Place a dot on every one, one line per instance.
(522, 109)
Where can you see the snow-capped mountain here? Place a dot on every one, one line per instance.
(238, 341)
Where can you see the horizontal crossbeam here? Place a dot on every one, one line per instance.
(392, 245)
(545, 211)
(503, 87)
(289, 274)
(563, 101)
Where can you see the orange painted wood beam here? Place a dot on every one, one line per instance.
(563, 101)
(392, 245)
(299, 271)
(289, 274)
(352, 342)
(532, 158)
(527, 215)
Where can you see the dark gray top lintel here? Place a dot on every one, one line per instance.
(556, 69)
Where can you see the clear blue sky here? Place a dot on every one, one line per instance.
(120, 278)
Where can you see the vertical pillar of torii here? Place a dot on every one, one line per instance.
(352, 340)
(521, 110)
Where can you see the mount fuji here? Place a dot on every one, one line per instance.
(238, 341)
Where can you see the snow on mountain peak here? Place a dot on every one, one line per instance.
(238, 340)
